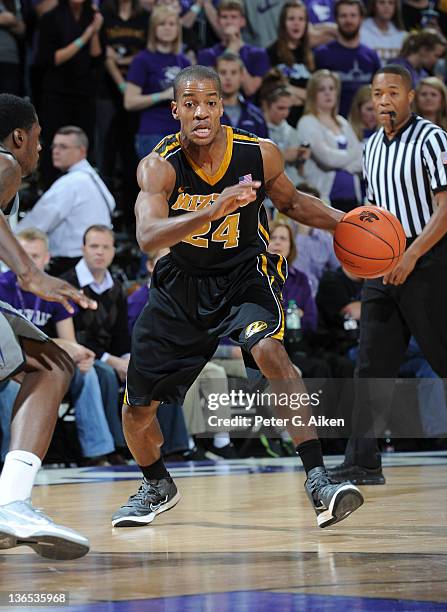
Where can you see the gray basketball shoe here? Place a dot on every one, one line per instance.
(23, 525)
(332, 502)
(152, 498)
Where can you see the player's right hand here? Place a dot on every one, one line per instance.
(232, 198)
(56, 290)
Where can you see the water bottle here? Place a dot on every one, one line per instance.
(351, 327)
(293, 325)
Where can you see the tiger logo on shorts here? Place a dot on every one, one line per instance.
(255, 328)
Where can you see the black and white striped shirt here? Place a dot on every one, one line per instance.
(403, 174)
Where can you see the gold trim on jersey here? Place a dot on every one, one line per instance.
(245, 138)
(165, 146)
(279, 268)
(279, 335)
(212, 179)
(264, 232)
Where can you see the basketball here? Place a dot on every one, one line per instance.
(369, 241)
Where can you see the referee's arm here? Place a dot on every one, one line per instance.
(434, 154)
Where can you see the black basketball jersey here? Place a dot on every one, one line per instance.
(13, 206)
(222, 245)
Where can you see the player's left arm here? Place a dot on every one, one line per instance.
(434, 158)
(287, 199)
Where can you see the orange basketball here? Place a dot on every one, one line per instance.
(369, 241)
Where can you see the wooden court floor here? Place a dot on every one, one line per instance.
(244, 537)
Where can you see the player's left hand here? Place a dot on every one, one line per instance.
(401, 272)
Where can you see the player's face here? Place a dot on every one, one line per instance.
(167, 31)
(385, 9)
(390, 94)
(349, 20)
(199, 109)
(368, 115)
(296, 23)
(28, 154)
(37, 251)
(280, 242)
(230, 74)
(326, 99)
(99, 250)
(429, 99)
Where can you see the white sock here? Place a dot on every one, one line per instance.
(191, 443)
(18, 476)
(285, 436)
(221, 439)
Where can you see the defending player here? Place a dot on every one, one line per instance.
(29, 356)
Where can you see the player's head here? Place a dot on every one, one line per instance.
(98, 248)
(282, 240)
(70, 146)
(198, 103)
(392, 94)
(230, 69)
(35, 244)
(20, 131)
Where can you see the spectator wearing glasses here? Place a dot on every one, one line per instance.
(75, 201)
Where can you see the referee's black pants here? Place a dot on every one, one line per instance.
(390, 314)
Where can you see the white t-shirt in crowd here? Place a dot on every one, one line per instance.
(387, 44)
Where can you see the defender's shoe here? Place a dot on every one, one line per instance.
(23, 525)
(356, 474)
(152, 498)
(332, 502)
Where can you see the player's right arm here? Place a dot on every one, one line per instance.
(155, 229)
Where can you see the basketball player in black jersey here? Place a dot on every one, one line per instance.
(29, 356)
(202, 193)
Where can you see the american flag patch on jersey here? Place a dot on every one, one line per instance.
(248, 179)
(443, 158)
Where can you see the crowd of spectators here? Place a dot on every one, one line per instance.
(100, 76)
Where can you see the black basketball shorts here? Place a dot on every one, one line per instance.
(179, 329)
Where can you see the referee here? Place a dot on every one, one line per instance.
(405, 168)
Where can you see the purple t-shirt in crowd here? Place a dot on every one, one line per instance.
(355, 68)
(255, 59)
(315, 255)
(320, 11)
(297, 288)
(35, 309)
(155, 72)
